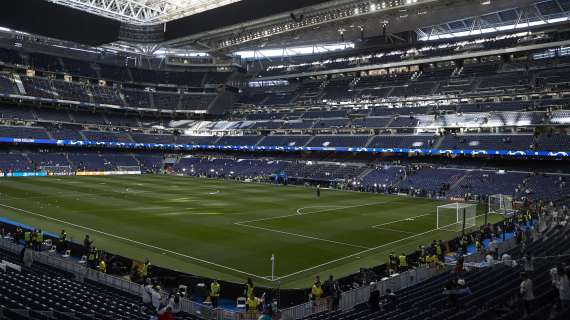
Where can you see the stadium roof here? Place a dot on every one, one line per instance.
(226, 26)
(144, 11)
(534, 14)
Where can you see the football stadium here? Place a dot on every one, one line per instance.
(301, 159)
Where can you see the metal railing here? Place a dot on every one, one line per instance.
(349, 299)
(354, 297)
(81, 272)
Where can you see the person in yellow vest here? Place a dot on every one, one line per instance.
(251, 304)
(35, 239)
(102, 266)
(439, 251)
(27, 236)
(145, 269)
(214, 293)
(249, 287)
(316, 292)
(427, 260)
(478, 246)
(433, 260)
(93, 258)
(403, 262)
(40, 239)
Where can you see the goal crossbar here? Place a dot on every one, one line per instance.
(500, 204)
(456, 216)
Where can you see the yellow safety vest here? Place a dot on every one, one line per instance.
(145, 269)
(215, 289)
(252, 303)
(27, 236)
(317, 292)
(249, 290)
(103, 266)
(403, 261)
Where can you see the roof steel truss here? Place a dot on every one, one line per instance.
(144, 11)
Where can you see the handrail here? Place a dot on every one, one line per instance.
(349, 299)
(81, 272)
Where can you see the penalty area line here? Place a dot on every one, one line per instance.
(355, 254)
(300, 235)
(394, 230)
(134, 241)
(405, 219)
(298, 213)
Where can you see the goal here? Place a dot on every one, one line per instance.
(57, 170)
(500, 204)
(456, 216)
(129, 170)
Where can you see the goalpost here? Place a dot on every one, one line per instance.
(456, 216)
(500, 204)
(58, 170)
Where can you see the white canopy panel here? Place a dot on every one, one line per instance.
(144, 11)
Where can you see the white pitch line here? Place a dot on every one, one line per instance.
(313, 212)
(354, 255)
(394, 230)
(134, 241)
(360, 253)
(301, 235)
(339, 208)
(299, 211)
(405, 219)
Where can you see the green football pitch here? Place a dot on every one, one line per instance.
(225, 229)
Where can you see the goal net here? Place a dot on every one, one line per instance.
(57, 170)
(129, 170)
(500, 204)
(456, 216)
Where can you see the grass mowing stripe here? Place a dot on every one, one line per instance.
(301, 235)
(394, 230)
(318, 211)
(134, 241)
(158, 208)
(366, 251)
(356, 254)
(405, 219)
